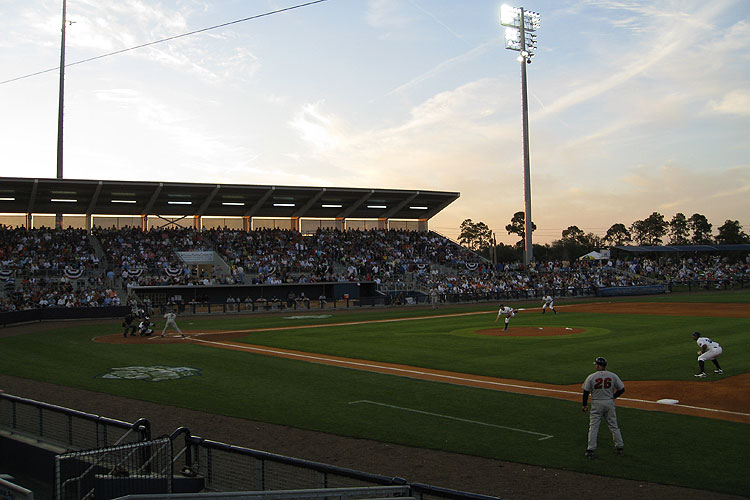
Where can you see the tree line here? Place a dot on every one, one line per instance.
(654, 230)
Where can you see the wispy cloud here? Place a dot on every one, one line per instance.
(736, 102)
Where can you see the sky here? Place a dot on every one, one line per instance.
(634, 106)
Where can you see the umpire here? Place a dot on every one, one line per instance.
(604, 387)
(128, 324)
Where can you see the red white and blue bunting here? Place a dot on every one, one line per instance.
(6, 275)
(472, 266)
(73, 273)
(173, 271)
(135, 273)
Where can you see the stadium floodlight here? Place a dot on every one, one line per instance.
(520, 25)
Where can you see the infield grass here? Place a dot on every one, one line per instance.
(661, 447)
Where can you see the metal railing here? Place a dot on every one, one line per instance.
(224, 469)
(64, 427)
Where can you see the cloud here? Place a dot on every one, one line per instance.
(385, 14)
(736, 102)
(316, 128)
(444, 66)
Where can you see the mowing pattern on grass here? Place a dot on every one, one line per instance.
(728, 399)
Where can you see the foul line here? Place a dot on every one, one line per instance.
(449, 378)
(545, 436)
(349, 323)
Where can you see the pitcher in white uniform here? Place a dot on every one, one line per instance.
(506, 311)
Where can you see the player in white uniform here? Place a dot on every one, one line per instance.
(506, 311)
(708, 349)
(548, 301)
(604, 387)
(170, 317)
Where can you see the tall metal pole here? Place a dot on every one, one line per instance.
(61, 99)
(528, 247)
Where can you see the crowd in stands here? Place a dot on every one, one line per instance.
(713, 268)
(60, 268)
(40, 293)
(275, 256)
(40, 252)
(582, 277)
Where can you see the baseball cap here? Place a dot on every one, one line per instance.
(600, 361)
(696, 334)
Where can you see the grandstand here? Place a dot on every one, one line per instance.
(288, 256)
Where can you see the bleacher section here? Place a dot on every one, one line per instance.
(45, 268)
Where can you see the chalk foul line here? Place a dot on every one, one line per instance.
(455, 378)
(448, 417)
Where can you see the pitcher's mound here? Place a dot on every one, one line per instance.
(530, 331)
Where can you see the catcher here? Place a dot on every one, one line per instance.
(145, 327)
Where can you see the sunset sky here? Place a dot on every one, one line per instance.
(634, 106)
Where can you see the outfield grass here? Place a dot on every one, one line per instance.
(661, 447)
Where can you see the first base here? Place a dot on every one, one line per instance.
(668, 401)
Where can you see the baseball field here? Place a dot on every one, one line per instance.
(446, 379)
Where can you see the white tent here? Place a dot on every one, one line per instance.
(593, 255)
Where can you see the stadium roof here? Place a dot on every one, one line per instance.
(108, 197)
(685, 248)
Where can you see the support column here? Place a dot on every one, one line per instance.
(383, 223)
(197, 222)
(247, 225)
(294, 224)
(339, 223)
(422, 226)
(29, 221)
(144, 223)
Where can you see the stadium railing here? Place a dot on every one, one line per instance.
(65, 427)
(219, 468)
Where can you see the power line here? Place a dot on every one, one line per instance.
(285, 9)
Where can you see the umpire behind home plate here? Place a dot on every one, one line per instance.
(604, 387)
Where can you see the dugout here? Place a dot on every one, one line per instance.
(361, 292)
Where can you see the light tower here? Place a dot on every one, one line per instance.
(60, 108)
(519, 27)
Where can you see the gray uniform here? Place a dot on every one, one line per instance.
(170, 317)
(602, 385)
